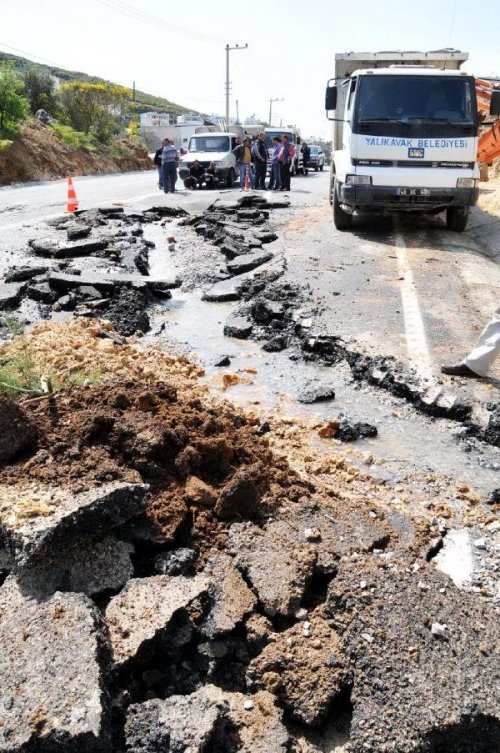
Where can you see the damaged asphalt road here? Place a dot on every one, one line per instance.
(252, 254)
(220, 579)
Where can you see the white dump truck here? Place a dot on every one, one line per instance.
(405, 135)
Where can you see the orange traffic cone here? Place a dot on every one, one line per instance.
(247, 178)
(72, 204)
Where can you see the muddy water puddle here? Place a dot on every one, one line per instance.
(406, 441)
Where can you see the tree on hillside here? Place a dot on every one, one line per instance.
(39, 88)
(94, 108)
(13, 106)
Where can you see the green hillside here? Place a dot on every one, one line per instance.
(144, 102)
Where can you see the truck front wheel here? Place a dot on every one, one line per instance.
(230, 178)
(342, 220)
(456, 218)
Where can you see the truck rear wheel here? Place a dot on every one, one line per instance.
(456, 218)
(341, 219)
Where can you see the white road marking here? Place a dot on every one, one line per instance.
(15, 225)
(416, 341)
(34, 221)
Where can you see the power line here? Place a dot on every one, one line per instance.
(30, 55)
(140, 15)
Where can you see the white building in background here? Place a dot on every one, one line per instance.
(155, 119)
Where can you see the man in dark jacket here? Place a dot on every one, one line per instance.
(210, 179)
(259, 150)
(306, 156)
(157, 161)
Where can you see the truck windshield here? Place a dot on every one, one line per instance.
(406, 99)
(209, 144)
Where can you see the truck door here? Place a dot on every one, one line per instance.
(349, 106)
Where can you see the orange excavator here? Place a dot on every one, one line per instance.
(489, 139)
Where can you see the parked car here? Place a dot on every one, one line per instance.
(316, 158)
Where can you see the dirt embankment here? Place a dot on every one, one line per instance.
(37, 154)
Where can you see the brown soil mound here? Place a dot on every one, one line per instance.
(204, 463)
(37, 154)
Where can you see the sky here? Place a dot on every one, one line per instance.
(176, 50)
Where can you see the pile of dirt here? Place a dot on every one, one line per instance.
(190, 589)
(205, 463)
(37, 154)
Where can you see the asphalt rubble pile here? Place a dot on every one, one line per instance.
(279, 313)
(98, 266)
(169, 583)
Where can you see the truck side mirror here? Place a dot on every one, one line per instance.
(331, 98)
(495, 102)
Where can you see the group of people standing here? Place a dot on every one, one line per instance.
(166, 160)
(253, 159)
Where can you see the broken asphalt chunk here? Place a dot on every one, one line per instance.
(304, 668)
(107, 282)
(38, 524)
(16, 430)
(402, 657)
(93, 567)
(10, 294)
(144, 609)
(247, 262)
(232, 598)
(278, 567)
(238, 326)
(53, 695)
(22, 274)
(176, 725)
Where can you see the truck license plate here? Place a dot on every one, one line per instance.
(414, 192)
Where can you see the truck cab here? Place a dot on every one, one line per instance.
(405, 140)
(212, 147)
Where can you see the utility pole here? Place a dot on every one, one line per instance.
(228, 83)
(276, 99)
(237, 111)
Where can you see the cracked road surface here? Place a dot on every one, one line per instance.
(406, 288)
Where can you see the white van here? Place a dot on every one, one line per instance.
(212, 147)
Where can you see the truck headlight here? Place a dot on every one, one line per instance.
(218, 164)
(466, 182)
(359, 180)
